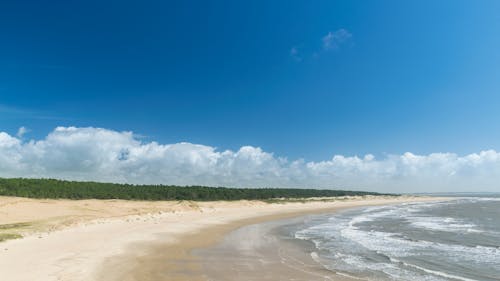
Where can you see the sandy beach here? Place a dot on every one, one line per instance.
(136, 240)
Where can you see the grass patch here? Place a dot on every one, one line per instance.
(9, 236)
(14, 225)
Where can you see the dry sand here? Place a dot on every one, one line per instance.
(131, 240)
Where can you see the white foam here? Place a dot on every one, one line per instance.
(351, 237)
(391, 244)
(391, 270)
(495, 199)
(443, 224)
(439, 273)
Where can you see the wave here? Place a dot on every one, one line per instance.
(444, 224)
(361, 241)
(439, 273)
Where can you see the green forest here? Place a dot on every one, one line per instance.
(61, 189)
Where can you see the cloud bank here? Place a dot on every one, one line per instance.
(105, 155)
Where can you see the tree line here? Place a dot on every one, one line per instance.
(62, 189)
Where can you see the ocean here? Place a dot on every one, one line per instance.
(431, 241)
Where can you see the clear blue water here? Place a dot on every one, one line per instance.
(452, 240)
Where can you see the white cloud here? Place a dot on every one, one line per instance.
(333, 40)
(105, 155)
(22, 131)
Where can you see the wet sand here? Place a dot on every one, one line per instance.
(264, 251)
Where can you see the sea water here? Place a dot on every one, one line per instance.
(448, 240)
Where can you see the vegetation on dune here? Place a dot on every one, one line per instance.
(9, 236)
(55, 189)
(11, 230)
(11, 226)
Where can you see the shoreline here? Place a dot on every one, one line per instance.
(123, 240)
(176, 262)
(265, 251)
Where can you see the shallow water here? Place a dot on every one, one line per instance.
(263, 252)
(452, 240)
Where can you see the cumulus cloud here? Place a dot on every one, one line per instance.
(333, 40)
(106, 155)
(22, 131)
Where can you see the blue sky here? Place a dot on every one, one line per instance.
(301, 79)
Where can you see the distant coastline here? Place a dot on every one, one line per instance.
(459, 194)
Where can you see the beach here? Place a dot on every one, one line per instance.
(141, 240)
